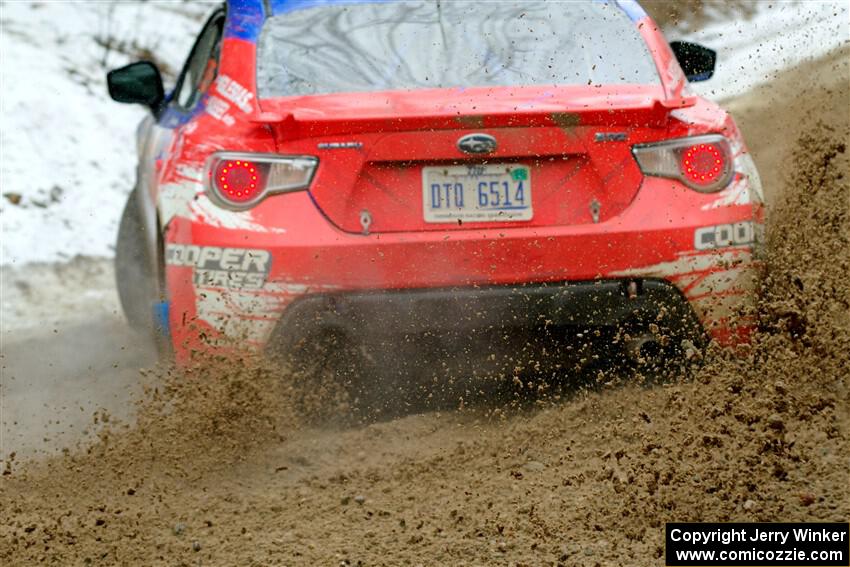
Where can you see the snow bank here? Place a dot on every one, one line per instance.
(67, 152)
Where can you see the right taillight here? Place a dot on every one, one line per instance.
(703, 163)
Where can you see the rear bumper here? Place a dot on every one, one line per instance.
(460, 313)
(311, 272)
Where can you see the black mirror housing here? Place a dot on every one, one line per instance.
(696, 61)
(137, 83)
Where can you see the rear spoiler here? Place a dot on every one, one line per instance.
(306, 123)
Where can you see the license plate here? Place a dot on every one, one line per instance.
(477, 193)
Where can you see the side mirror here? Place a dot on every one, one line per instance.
(137, 83)
(696, 61)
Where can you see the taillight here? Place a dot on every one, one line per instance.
(703, 163)
(239, 181)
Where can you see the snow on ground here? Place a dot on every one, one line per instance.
(36, 296)
(67, 153)
(780, 35)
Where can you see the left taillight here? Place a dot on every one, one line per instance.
(703, 163)
(238, 181)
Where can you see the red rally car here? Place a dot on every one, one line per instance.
(435, 176)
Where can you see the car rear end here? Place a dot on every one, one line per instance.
(493, 180)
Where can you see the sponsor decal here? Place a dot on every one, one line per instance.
(234, 92)
(232, 268)
(218, 109)
(723, 235)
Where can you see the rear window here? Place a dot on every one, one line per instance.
(356, 47)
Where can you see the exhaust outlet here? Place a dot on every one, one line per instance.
(642, 349)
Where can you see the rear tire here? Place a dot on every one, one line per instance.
(136, 285)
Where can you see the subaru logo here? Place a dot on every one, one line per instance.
(477, 144)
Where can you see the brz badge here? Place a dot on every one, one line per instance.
(477, 144)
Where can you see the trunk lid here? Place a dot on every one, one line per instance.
(391, 161)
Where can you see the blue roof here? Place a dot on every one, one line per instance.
(283, 6)
(246, 17)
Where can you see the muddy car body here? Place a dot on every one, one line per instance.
(366, 170)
